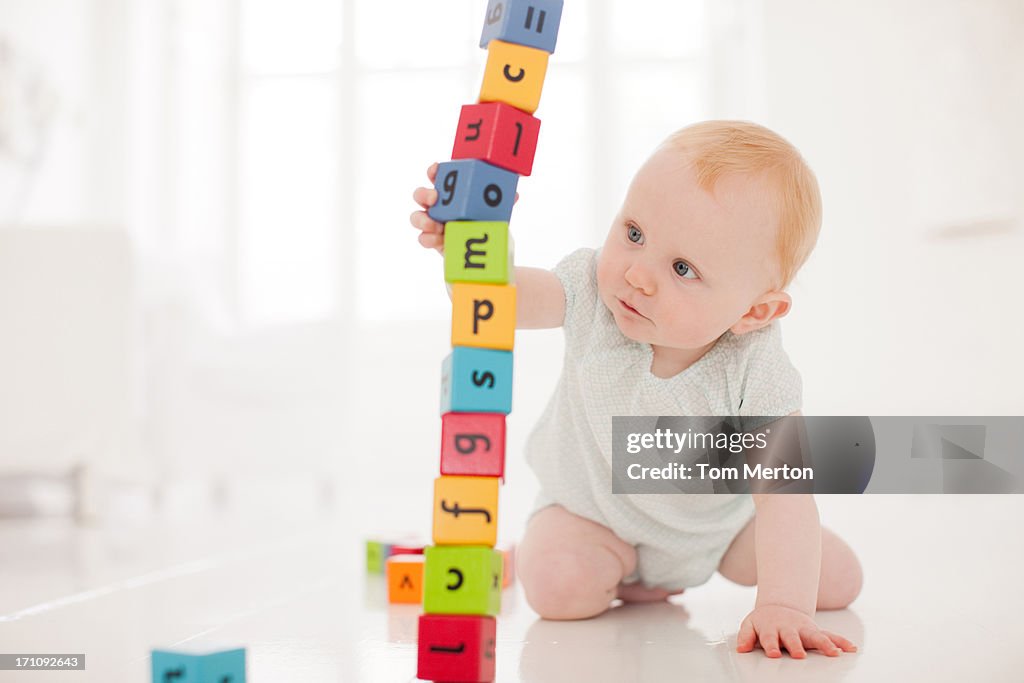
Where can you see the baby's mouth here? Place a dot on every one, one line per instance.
(631, 309)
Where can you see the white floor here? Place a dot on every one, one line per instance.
(942, 602)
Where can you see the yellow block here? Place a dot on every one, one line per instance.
(514, 75)
(484, 316)
(466, 511)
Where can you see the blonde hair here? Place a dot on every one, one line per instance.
(716, 148)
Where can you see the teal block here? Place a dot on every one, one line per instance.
(476, 381)
(225, 666)
(462, 580)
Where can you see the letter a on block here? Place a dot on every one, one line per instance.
(484, 316)
(465, 511)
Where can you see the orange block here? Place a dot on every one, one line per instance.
(405, 579)
(484, 316)
(466, 511)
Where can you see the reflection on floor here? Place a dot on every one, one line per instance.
(940, 603)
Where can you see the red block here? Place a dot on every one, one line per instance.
(473, 444)
(499, 134)
(456, 648)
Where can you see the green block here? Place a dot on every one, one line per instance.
(376, 556)
(462, 579)
(477, 251)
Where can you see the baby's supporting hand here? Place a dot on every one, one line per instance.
(776, 626)
(431, 232)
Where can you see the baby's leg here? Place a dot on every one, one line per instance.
(571, 567)
(841, 575)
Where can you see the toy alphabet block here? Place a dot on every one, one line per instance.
(198, 666)
(405, 579)
(456, 648)
(376, 553)
(477, 251)
(476, 381)
(473, 444)
(484, 316)
(465, 510)
(514, 74)
(462, 580)
(470, 189)
(499, 134)
(533, 23)
(508, 556)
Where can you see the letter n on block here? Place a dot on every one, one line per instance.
(473, 444)
(465, 510)
(484, 316)
(456, 648)
(477, 251)
(462, 580)
(498, 134)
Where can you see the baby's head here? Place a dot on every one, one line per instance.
(714, 227)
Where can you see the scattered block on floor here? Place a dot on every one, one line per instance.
(405, 579)
(197, 665)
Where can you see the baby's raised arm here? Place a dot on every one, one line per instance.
(540, 298)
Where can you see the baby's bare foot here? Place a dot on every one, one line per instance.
(637, 592)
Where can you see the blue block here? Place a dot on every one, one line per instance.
(476, 381)
(227, 666)
(470, 189)
(533, 23)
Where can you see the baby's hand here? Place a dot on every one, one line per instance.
(431, 232)
(771, 624)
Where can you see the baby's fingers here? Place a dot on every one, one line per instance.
(432, 173)
(820, 641)
(791, 639)
(770, 642)
(841, 642)
(422, 221)
(425, 196)
(432, 241)
(746, 638)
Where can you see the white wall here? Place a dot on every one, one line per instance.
(910, 113)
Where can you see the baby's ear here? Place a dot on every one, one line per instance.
(767, 308)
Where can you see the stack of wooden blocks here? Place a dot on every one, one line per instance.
(495, 144)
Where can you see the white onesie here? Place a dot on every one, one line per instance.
(679, 538)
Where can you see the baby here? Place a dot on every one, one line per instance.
(675, 315)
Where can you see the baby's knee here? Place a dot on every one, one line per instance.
(564, 585)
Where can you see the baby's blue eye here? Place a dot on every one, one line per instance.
(683, 270)
(634, 234)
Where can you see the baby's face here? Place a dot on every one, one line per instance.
(681, 266)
